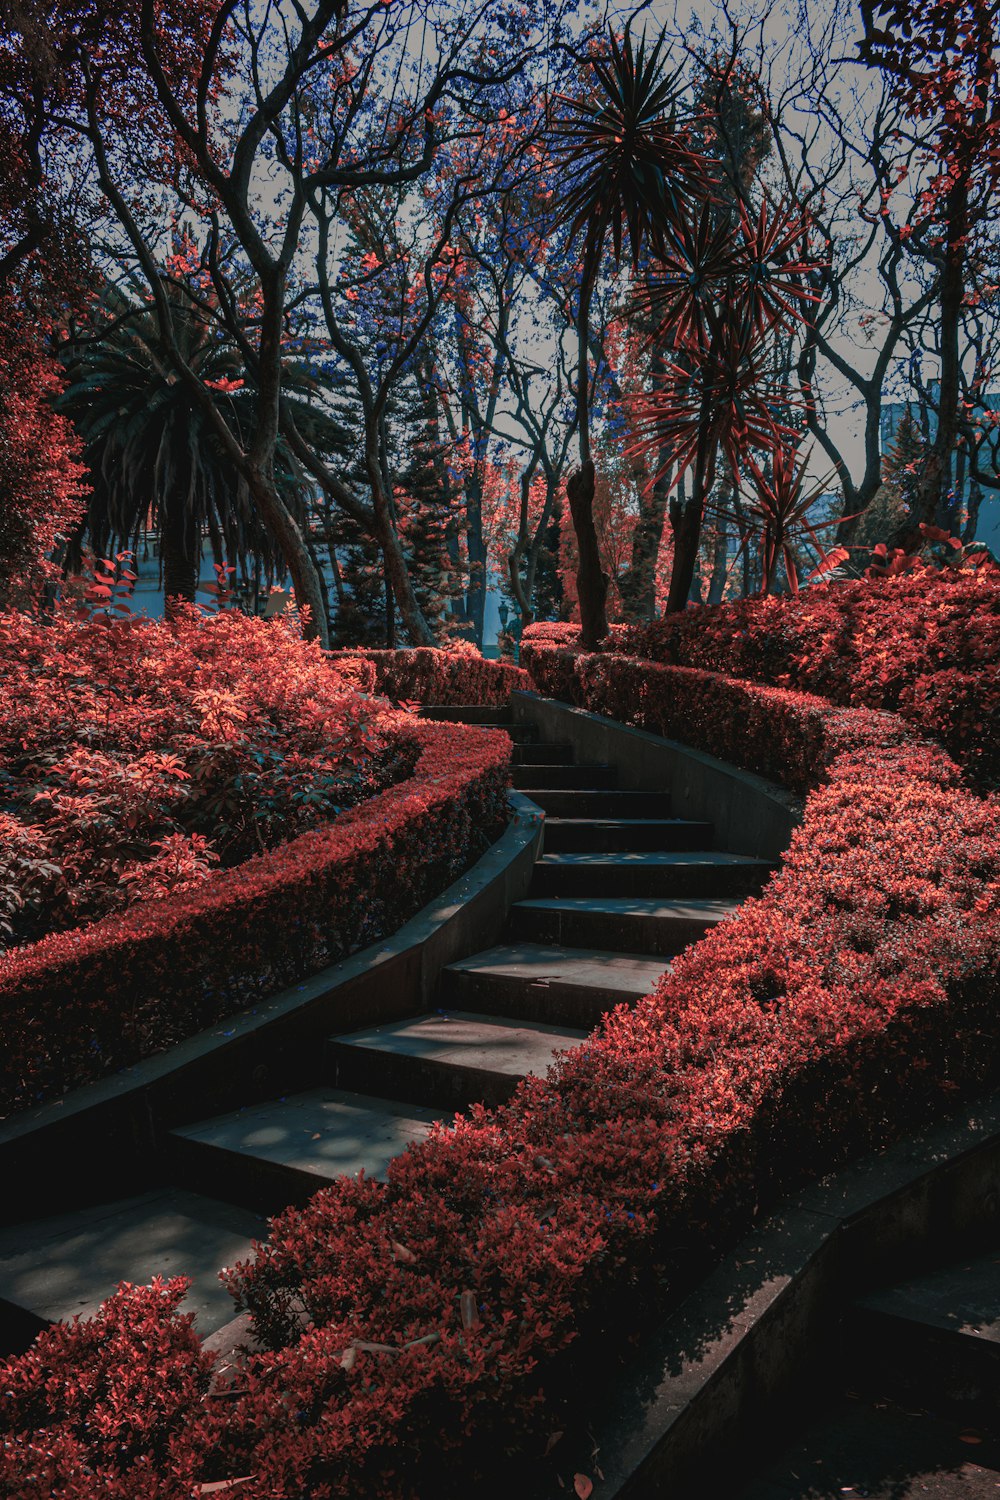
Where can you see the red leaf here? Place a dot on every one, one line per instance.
(584, 1487)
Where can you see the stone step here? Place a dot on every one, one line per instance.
(937, 1335)
(280, 1152)
(560, 802)
(566, 835)
(447, 1059)
(69, 1263)
(467, 713)
(520, 734)
(632, 924)
(552, 779)
(700, 872)
(559, 986)
(553, 753)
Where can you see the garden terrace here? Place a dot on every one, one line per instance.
(411, 1309)
(123, 739)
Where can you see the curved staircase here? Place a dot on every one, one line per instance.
(621, 886)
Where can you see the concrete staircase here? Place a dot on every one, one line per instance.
(622, 886)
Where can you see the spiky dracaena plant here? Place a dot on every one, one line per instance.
(629, 172)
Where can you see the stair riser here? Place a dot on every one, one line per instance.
(663, 936)
(19, 1327)
(953, 1373)
(265, 1187)
(553, 1004)
(600, 804)
(547, 755)
(521, 734)
(679, 881)
(415, 1080)
(564, 776)
(595, 837)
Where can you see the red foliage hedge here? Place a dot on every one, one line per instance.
(136, 754)
(423, 674)
(855, 996)
(79, 1004)
(925, 645)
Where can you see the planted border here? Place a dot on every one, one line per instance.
(856, 996)
(423, 674)
(925, 645)
(78, 1005)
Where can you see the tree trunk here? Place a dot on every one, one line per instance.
(591, 580)
(180, 555)
(398, 576)
(686, 523)
(720, 561)
(930, 505)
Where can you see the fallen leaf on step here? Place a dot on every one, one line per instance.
(583, 1486)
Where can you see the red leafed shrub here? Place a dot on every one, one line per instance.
(422, 674)
(41, 476)
(112, 1405)
(135, 755)
(78, 1004)
(799, 1031)
(856, 996)
(925, 645)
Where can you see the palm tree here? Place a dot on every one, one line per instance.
(629, 169)
(149, 446)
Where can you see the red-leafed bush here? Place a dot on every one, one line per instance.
(112, 1405)
(855, 996)
(41, 476)
(925, 645)
(136, 754)
(422, 674)
(78, 1004)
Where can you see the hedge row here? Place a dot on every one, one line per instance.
(925, 645)
(856, 995)
(79, 1004)
(422, 674)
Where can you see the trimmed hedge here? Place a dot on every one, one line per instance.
(925, 645)
(423, 674)
(856, 996)
(77, 1005)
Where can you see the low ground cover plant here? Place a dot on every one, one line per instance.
(855, 996)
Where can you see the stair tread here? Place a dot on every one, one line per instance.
(963, 1299)
(631, 857)
(469, 1039)
(706, 909)
(71, 1262)
(537, 963)
(328, 1132)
